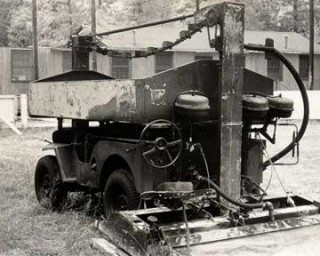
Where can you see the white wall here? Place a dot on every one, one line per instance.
(142, 67)
(8, 104)
(256, 61)
(103, 64)
(314, 102)
(181, 58)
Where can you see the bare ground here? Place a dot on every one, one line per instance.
(28, 229)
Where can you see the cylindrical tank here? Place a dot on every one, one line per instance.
(191, 107)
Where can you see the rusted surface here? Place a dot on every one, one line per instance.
(132, 235)
(131, 231)
(90, 100)
(218, 229)
(303, 241)
(256, 245)
(232, 25)
(128, 100)
(65, 160)
(230, 18)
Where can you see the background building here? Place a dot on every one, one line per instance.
(16, 64)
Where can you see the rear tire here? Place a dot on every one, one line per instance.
(50, 191)
(120, 193)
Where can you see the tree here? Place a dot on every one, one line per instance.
(20, 30)
(287, 22)
(262, 15)
(6, 13)
(58, 18)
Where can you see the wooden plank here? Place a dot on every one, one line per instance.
(103, 246)
(13, 128)
(102, 226)
(24, 110)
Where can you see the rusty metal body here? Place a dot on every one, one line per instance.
(137, 235)
(137, 101)
(95, 100)
(214, 146)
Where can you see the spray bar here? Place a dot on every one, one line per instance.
(145, 25)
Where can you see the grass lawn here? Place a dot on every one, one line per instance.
(25, 227)
(28, 229)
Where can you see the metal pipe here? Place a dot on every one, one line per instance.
(35, 39)
(295, 16)
(197, 5)
(311, 46)
(303, 92)
(93, 31)
(144, 25)
(263, 205)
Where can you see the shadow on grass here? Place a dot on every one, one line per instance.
(91, 205)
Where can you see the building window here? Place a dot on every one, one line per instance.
(22, 65)
(304, 67)
(66, 61)
(164, 61)
(275, 70)
(120, 68)
(203, 57)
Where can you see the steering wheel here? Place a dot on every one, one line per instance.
(159, 148)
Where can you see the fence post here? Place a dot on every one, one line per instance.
(24, 110)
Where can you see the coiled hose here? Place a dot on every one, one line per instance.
(200, 178)
(303, 92)
(265, 205)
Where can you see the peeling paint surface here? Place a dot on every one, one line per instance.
(231, 91)
(158, 97)
(89, 100)
(234, 29)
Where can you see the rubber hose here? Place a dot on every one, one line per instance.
(304, 96)
(229, 199)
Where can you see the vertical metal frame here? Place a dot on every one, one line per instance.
(231, 98)
(230, 18)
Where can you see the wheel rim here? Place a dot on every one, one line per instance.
(50, 190)
(47, 186)
(121, 203)
(45, 189)
(116, 199)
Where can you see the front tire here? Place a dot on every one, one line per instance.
(120, 193)
(50, 191)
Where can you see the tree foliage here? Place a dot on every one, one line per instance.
(6, 14)
(58, 18)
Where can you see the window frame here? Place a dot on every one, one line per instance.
(66, 60)
(13, 67)
(158, 69)
(129, 67)
(279, 76)
(203, 57)
(304, 76)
